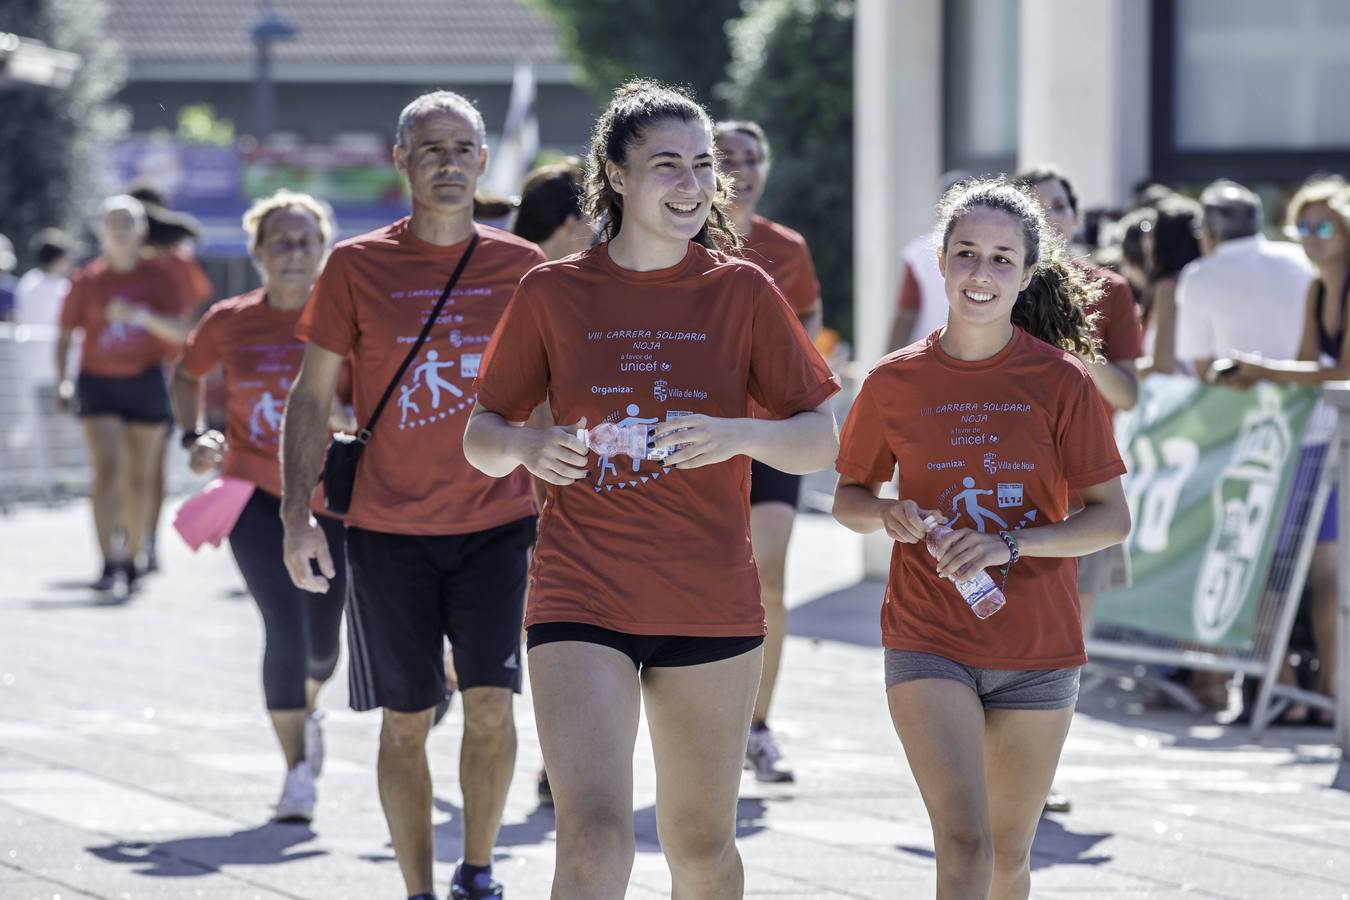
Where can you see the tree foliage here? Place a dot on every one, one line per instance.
(792, 71)
(53, 143)
(611, 41)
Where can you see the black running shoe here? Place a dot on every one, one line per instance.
(442, 708)
(105, 581)
(545, 792)
(484, 887)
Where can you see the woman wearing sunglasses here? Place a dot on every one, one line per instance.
(1319, 215)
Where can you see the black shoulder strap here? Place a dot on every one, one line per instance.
(365, 433)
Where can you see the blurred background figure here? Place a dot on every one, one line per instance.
(1169, 245)
(38, 294)
(1319, 216)
(921, 304)
(1245, 294)
(550, 211)
(782, 252)
(133, 320)
(171, 243)
(7, 280)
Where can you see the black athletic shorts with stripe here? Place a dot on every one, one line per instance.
(410, 592)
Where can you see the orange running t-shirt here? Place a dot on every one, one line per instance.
(1118, 325)
(634, 546)
(256, 346)
(370, 304)
(783, 253)
(120, 349)
(996, 444)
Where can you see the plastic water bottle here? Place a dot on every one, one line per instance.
(981, 594)
(610, 439)
(631, 440)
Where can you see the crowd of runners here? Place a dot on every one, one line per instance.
(630, 368)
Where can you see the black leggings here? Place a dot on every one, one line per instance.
(300, 628)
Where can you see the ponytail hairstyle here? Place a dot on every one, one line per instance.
(635, 106)
(1058, 304)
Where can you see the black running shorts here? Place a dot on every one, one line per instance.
(768, 485)
(410, 592)
(143, 398)
(646, 650)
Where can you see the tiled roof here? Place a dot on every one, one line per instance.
(337, 31)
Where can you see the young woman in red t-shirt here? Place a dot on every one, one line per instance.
(991, 422)
(782, 253)
(643, 585)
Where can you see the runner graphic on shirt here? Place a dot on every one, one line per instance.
(405, 402)
(970, 499)
(429, 373)
(266, 416)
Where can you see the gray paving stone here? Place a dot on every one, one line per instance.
(136, 762)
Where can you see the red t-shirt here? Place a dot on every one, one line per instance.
(257, 348)
(120, 349)
(188, 274)
(1118, 325)
(996, 444)
(636, 547)
(783, 253)
(370, 304)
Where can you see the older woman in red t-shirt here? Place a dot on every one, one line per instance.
(990, 426)
(252, 339)
(643, 585)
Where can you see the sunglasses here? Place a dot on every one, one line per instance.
(1323, 231)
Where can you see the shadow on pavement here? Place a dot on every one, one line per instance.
(749, 821)
(449, 835)
(1055, 845)
(194, 856)
(851, 615)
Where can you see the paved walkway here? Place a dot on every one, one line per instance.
(135, 762)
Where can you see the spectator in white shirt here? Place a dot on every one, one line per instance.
(1246, 294)
(38, 296)
(921, 307)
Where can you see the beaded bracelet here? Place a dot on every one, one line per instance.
(1013, 554)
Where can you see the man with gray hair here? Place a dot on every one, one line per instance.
(435, 548)
(1246, 293)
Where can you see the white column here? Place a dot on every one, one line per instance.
(897, 152)
(1085, 93)
(897, 164)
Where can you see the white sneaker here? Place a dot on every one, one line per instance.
(763, 757)
(314, 741)
(298, 795)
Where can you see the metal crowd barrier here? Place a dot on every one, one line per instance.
(1339, 396)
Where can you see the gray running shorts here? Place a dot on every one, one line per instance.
(996, 688)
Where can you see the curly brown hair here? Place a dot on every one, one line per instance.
(1058, 305)
(635, 106)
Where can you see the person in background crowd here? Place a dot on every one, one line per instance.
(1113, 372)
(435, 548)
(551, 215)
(1132, 231)
(783, 253)
(170, 242)
(1319, 216)
(646, 596)
(1245, 293)
(38, 295)
(7, 280)
(1171, 244)
(133, 318)
(983, 705)
(252, 337)
(921, 305)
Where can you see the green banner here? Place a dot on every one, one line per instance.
(1210, 470)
